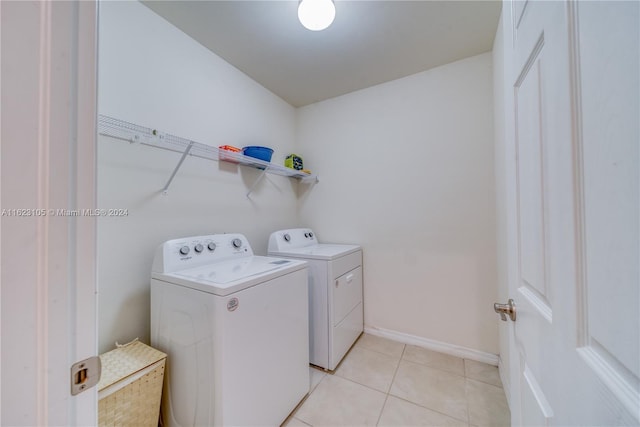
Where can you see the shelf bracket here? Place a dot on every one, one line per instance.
(175, 170)
(258, 179)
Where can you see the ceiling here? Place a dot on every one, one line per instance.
(370, 42)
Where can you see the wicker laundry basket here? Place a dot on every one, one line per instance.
(130, 388)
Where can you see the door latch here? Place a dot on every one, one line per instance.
(508, 309)
(85, 374)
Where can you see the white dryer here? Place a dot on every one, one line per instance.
(235, 329)
(335, 292)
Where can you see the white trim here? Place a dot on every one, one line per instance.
(622, 383)
(0, 233)
(42, 227)
(83, 239)
(537, 300)
(439, 346)
(582, 302)
(54, 128)
(538, 393)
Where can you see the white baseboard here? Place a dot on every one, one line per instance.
(439, 346)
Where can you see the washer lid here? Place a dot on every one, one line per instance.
(227, 277)
(324, 251)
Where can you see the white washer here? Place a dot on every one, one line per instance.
(335, 292)
(235, 329)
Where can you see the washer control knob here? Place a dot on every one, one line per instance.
(237, 243)
(184, 250)
(306, 235)
(198, 248)
(287, 238)
(310, 234)
(211, 246)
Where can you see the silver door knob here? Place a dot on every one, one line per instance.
(506, 309)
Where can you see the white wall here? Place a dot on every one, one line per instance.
(154, 75)
(407, 170)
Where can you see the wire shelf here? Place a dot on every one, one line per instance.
(134, 133)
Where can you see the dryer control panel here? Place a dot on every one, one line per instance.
(292, 238)
(190, 252)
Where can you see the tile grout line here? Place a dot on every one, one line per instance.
(426, 407)
(356, 382)
(439, 368)
(433, 367)
(381, 352)
(429, 409)
(419, 405)
(466, 394)
(464, 375)
(298, 419)
(293, 413)
(386, 397)
(343, 379)
(476, 379)
(394, 377)
(324, 375)
(485, 383)
(408, 401)
(391, 356)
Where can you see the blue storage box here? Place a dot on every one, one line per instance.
(262, 153)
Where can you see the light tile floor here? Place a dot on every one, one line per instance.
(386, 383)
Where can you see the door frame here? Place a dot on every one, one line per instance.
(48, 315)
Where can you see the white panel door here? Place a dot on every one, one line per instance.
(577, 287)
(48, 276)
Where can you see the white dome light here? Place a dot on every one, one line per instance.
(316, 15)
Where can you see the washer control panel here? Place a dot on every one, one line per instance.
(189, 252)
(292, 238)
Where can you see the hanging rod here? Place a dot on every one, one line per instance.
(134, 133)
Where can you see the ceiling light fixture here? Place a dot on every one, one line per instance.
(316, 15)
